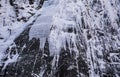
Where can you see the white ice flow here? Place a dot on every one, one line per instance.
(41, 27)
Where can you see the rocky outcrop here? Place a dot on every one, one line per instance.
(84, 40)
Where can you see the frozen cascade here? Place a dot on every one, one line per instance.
(41, 27)
(60, 38)
(95, 23)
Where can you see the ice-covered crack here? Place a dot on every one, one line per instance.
(10, 59)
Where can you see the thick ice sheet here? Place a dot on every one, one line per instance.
(42, 25)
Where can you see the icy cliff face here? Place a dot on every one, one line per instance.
(90, 28)
(60, 38)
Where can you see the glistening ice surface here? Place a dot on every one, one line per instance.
(59, 38)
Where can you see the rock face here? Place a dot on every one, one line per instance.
(67, 38)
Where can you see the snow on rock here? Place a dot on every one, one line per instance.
(78, 38)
